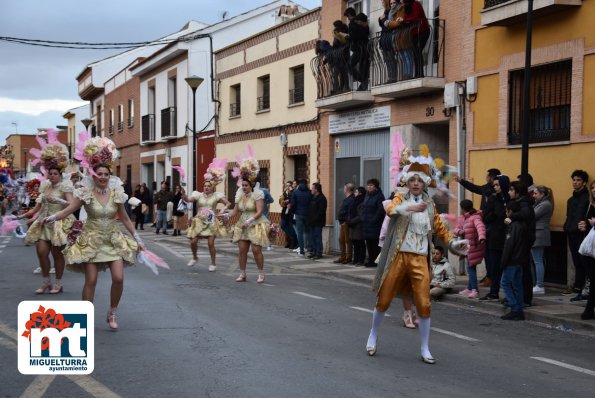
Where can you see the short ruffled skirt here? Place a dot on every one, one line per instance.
(101, 249)
(203, 230)
(56, 232)
(257, 234)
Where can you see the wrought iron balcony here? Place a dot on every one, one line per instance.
(235, 109)
(111, 129)
(296, 95)
(263, 103)
(120, 126)
(508, 12)
(168, 122)
(148, 128)
(342, 77)
(408, 60)
(131, 122)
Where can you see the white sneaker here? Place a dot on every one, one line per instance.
(191, 262)
(269, 248)
(212, 268)
(538, 290)
(296, 250)
(37, 270)
(52, 270)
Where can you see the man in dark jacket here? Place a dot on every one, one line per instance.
(518, 193)
(317, 220)
(576, 211)
(345, 245)
(371, 218)
(484, 190)
(515, 253)
(161, 199)
(300, 203)
(359, 33)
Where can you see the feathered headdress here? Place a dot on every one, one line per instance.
(216, 171)
(424, 166)
(52, 153)
(248, 166)
(93, 151)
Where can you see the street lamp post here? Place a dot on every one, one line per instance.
(526, 90)
(194, 81)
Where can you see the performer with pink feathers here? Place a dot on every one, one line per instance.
(252, 228)
(54, 195)
(100, 244)
(205, 224)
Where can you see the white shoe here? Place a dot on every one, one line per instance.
(192, 262)
(269, 248)
(52, 270)
(296, 250)
(212, 268)
(538, 290)
(37, 270)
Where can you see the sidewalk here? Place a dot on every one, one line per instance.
(551, 309)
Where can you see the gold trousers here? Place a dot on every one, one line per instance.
(408, 277)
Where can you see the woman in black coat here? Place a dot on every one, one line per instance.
(356, 233)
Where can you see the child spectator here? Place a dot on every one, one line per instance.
(443, 279)
(473, 229)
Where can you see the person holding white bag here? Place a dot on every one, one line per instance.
(587, 250)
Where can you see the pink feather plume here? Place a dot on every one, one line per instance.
(152, 261)
(180, 170)
(8, 225)
(397, 146)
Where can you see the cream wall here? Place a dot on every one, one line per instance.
(270, 149)
(280, 110)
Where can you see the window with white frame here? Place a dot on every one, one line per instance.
(235, 95)
(263, 100)
(111, 121)
(296, 85)
(120, 117)
(130, 112)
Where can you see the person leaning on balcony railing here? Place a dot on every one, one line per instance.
(389, 21)
(358, 37)
(415, 17)
(339, 58)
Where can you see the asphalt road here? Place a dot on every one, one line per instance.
(191, 333)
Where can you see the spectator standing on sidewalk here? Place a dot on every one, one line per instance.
(268, 199)
(443, 279)
(345, 245)
(576, 210)
(161, 199)
(589, 312)
(300, 203)
(473, 229)
(356, 233)
(372, 217)
(287, 215)
(317, 219)
(518, 193)
(514, 255)
(543, 207)
(177, 214)
(496, 233)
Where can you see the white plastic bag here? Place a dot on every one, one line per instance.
(587, 247)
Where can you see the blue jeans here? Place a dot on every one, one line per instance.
(537, 255)
(472, 272)
(316, 234)
(303, 231)
(512, 284)
(162, 220)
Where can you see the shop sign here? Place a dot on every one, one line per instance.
(365, 119)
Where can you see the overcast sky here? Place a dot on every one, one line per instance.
(37, 85)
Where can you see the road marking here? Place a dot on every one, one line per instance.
(38, 387)
(93, 387)
(453, 334)
(565, 365)
(366, 310)
(309, 295)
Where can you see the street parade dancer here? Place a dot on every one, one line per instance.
(205, 224)
(54, 195)
(100, 244)
(403, 262)
(252, 228)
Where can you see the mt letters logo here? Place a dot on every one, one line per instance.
(56, 337)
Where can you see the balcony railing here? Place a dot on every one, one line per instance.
(148, 128)
(235, 109)
(94, 131)
(111, 129)
(332, 72)
(168, 122)
(296, 95)
(120, 126)
(131, 122)
(263, 103)
(407, 53)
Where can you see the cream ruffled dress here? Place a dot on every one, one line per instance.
(258, 232)
(205, 224)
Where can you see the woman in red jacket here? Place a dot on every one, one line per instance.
(473, 229)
